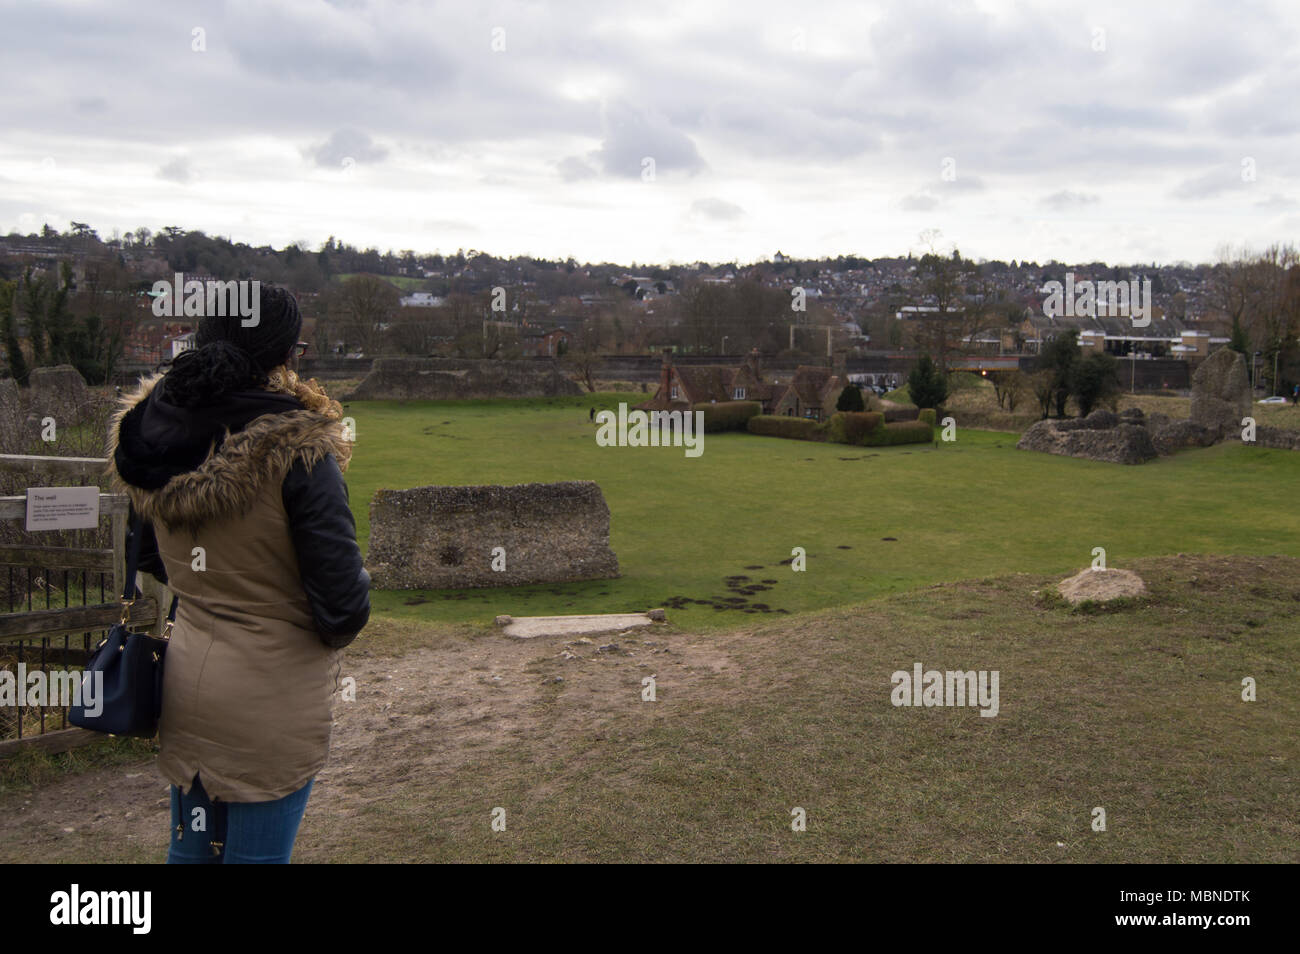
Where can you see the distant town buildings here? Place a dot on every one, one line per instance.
(876, 306)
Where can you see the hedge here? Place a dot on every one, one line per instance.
(727, 415)
(927, 415)
(852, 427)
(902, 432)
(796, 428)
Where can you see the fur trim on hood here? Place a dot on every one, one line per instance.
(231, 477)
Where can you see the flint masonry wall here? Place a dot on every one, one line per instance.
(59, 392)
(11, 411)
(443, 379)
(443, 537)
(1221, 393)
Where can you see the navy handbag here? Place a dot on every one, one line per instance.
(123, 680)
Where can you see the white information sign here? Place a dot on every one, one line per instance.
(62, 508)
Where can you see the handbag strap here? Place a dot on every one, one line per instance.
(132, 560)
(171, 617)
(132, 564)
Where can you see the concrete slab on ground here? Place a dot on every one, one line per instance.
(529, 627)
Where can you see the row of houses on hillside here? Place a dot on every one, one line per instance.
(810, 392)
(1161, 336)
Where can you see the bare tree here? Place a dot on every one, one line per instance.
(941, 285)
(467, 315)
(582, 356)
(106, 310)
(1229, 290)
(1273, 309)
(362, 307)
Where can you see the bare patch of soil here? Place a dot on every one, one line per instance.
(428, 712)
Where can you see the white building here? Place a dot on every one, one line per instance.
(421, 300)
(181, 343)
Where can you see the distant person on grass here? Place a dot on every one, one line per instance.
(237, 468)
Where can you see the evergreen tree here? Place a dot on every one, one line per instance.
(9, 334)
(1059, 357)
(1095, 379)
(927, 383)
(1238, 341)
(850, 399)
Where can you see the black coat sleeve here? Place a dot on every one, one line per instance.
(329, 560)
(150, 560)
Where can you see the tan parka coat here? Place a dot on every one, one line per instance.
(248, 682)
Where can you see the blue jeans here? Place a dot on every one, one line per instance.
(233, 833)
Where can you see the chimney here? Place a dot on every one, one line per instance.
(754, 363)
(665, 376)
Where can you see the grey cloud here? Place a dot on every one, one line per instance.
(946, 47)
(770, 129)
(345, 144)
(1067, 198)
(1277, 203)
(1203, 49)
(177, 170)
(1099, 115)
(1209, 185)
(573, 169)
(919, 202)
(1011, 91)
(1266, 110)
(631, 135)
(450, 225)
(718, 210)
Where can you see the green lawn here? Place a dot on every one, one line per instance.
(681, 526)
(404, 282)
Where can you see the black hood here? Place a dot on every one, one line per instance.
(159, 440)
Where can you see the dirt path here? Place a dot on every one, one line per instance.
(425, 713)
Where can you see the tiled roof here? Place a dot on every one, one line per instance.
(810, 383)
(1111, 326)
(707, 382)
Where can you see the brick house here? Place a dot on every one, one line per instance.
(812, 391)
(537, 342)
(681, 387)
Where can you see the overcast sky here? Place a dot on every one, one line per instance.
(1126, 132)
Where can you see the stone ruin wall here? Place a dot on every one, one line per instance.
(445, 379)
(1221, 399)
(443, 537)
(59, 392)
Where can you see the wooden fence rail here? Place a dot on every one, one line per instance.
(38, 626)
